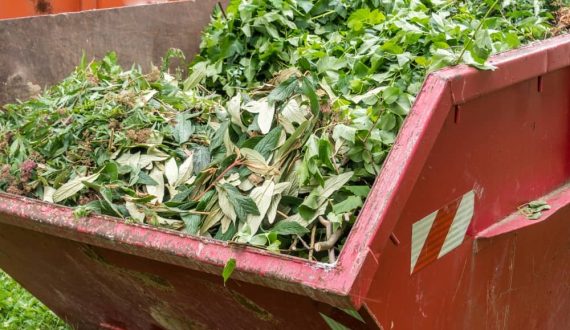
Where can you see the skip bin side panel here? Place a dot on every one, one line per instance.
(255, 266)
(393, 186)
(92, 287)
(508, 147)
(39, 51)
(518, 280)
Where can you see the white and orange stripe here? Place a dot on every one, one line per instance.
(441, 231)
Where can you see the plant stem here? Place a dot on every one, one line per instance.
(323, 14)
(213, 184)
(468, 43)
(312, 246)
(222, 10)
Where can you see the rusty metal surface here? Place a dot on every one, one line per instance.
(38, 51)
(95, 288)
(504, 134)
(255, 266)
(512, 277)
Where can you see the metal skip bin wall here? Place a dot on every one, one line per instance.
(438, 244)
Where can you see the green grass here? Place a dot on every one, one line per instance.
(19, 310)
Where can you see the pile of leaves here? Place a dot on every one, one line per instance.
(277, 133)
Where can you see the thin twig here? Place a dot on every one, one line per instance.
(222, 10)
(303, 242)
(328, 227)
(282, 214)
(468, 43)
(111, 138)
(232, 165)
(198, 212)
(293, 246)
(312, 246)
(329, 243)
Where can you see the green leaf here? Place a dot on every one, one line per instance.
(201, 157)
(349, 204)
(198, 74)
(391, 94)
(309, 91)
(145, 179)
(361, 17)
(332, 184)
(192, 223)
(262, 197)
(108, 198)
(72, 187)
(218, 137)
(243, 205)
(183, 129)
(315, 204)
(297, 138)
(393, 48)
(361, 191)
(306, 5)
(333, 324)
(346, 132)
(284, 90)
(225, 204)
(289, 228)
(353, 313)
(269, 142)
(325, 153)
(228, 269)
(111, 171)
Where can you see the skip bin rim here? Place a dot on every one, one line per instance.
(345, 283)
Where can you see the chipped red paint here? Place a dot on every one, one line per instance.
(511, 146)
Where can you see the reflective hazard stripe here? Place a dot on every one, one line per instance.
(441, 231)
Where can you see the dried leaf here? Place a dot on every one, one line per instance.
(156, 190)
(211, 220)
(233, 108)
(48, 194)
(72, 187)
(185, 171)
(225, 204)
(134, 212)
(265, 112)
(171, 171)
(262, 196)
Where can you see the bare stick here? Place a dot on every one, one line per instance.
(312, 246)
(329, 243)
(232, 165)
(293, 246)
(303, 242)
(222, 10)
(328, 227)
(282, 214)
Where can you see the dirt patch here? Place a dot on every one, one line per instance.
(43, 7)
(251, 306)
(172, 321)
(147, 279)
